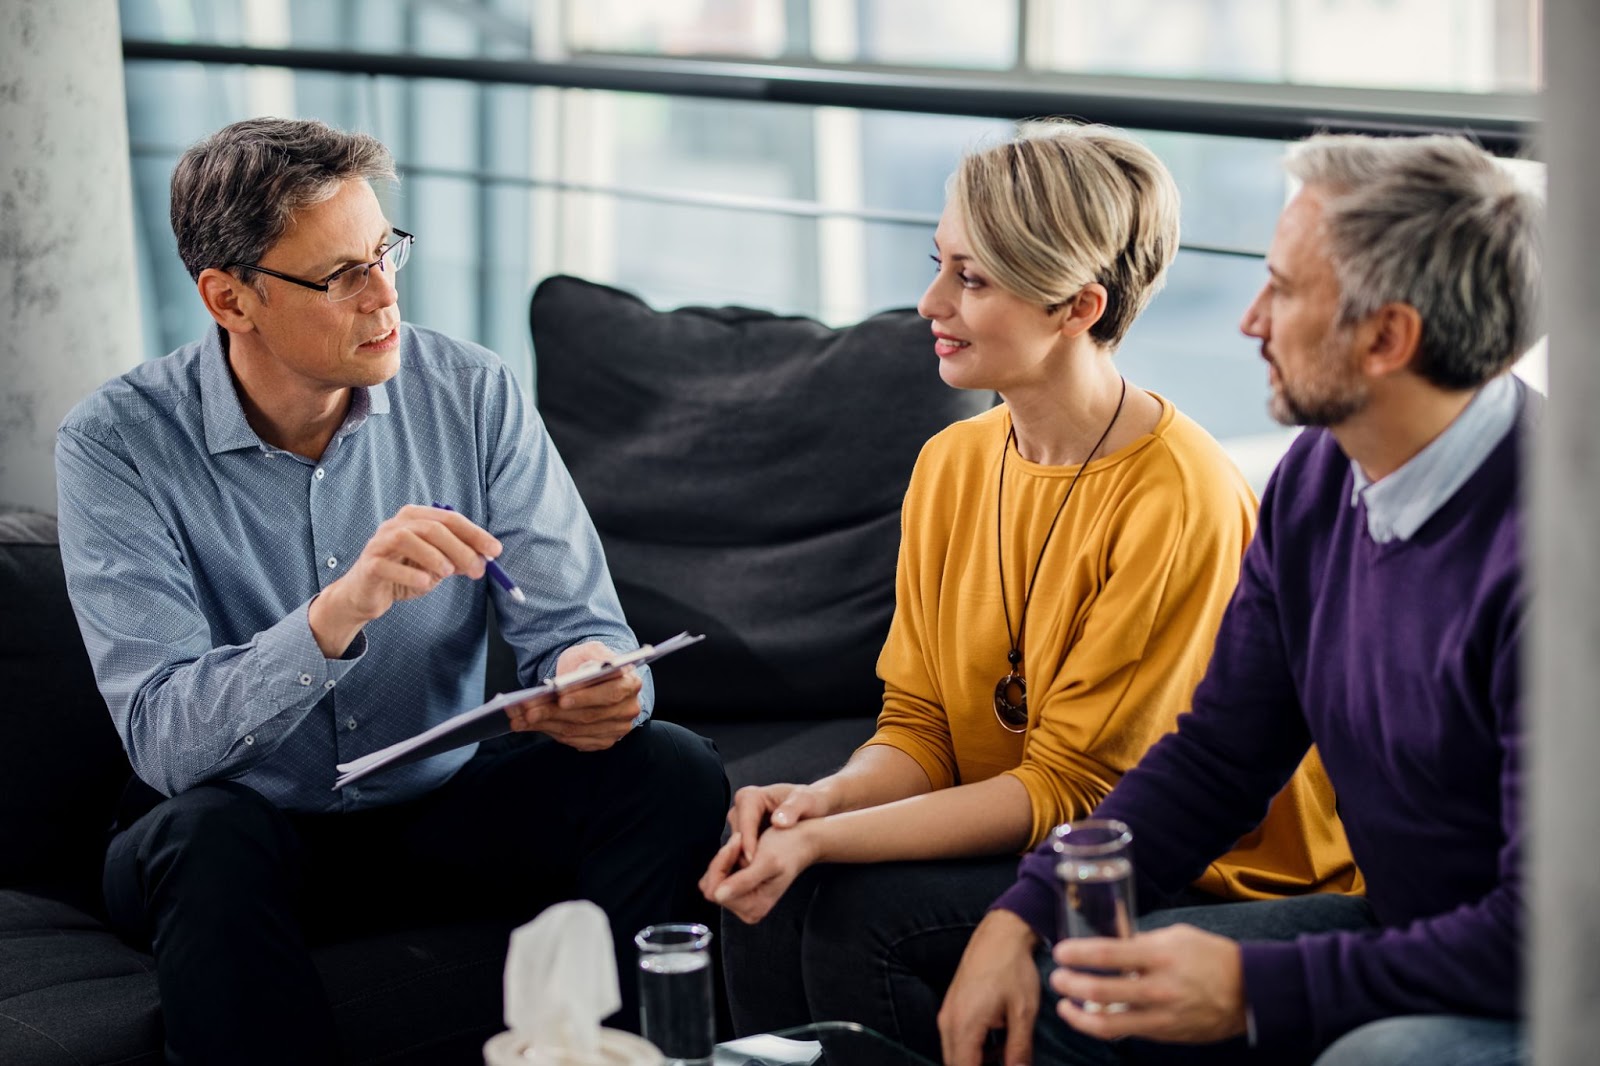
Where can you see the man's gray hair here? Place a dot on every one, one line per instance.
(1436, 223)
(235, 193)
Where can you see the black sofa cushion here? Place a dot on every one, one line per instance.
(745, 471)
(61, 764)
(72, 994)
(70, 991)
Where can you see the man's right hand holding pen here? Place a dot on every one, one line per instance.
(407, 557)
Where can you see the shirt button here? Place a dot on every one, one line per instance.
(349, 723)
(320, 474)
(333, 561)
(305, 679)
(249, 738)
(328, 683)
(353, 793)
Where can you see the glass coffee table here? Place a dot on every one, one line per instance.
(818, 1044)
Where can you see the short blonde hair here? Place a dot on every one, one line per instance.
(1065, 205)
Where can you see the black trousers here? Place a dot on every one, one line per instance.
(228, 890)
(875, 944)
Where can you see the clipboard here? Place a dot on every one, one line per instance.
(488, 720)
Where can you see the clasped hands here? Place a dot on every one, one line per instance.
(774, 841)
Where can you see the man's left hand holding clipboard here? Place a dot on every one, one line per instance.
(601, 674)
(589, 718)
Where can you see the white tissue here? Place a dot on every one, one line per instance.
(561, 980)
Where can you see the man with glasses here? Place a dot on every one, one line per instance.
(265, 591)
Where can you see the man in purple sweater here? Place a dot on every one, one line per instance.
(1378, 615)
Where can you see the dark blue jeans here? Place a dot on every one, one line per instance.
(1424, 1040)
(875, 944)
(228, 890)
(1409, 1041)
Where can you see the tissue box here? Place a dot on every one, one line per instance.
(616, 1049)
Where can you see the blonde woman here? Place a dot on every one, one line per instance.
(1064, 564)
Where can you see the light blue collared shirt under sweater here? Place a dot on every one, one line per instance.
(1399, 505)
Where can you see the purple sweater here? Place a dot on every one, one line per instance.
(1400, 661)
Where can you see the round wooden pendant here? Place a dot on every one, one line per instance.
(1011, 702)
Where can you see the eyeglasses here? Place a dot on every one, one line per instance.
(348, 281)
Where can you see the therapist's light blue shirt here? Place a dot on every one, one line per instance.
(193, 549)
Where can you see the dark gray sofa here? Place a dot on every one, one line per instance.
(745, 472)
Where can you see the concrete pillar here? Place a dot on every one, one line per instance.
(1564, 658)
(69, 301)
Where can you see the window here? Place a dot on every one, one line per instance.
(824, 211)
(1454, 45)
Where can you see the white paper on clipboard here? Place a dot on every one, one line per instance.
(489, 720)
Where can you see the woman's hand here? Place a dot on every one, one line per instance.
(751, 891)
(757, 808)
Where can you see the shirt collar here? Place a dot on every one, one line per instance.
(1399, 504)
(226, 427)
(372, 400)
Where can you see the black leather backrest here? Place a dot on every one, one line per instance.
(745, 471)
(61, 765)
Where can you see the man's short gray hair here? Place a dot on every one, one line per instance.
(1436, 223)
(234, 193)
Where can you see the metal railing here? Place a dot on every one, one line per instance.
(1502, 122)
(722, 201)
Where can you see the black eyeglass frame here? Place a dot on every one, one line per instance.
(326, 283)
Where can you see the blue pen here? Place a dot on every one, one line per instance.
(493, 569)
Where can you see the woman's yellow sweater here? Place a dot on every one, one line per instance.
(1131, 589)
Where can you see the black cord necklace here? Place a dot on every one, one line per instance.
(1011, 693)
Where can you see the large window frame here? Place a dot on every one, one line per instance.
(1502, 122)
(575, 196)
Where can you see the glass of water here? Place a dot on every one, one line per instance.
(675, 991)
(1094, 861)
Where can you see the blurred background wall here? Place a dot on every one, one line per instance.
(69, 302)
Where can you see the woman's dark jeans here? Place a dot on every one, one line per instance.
(875, 944)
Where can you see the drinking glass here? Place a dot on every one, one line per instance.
(1094, 861)
(675, 991)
